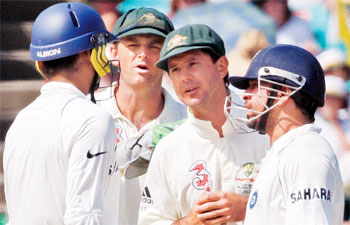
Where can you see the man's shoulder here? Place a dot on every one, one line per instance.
(309, 149)
(80, 109)
(182, 133)
(311, 141)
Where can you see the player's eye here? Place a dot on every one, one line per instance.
(174, 69)
(193, 63)
(156, 47)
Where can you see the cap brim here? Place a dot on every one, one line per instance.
(143, 30)
(163, 62)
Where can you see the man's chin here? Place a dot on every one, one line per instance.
(191, 102)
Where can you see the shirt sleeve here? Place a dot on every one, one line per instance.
(158, 204)
(90, 167)
(311, 182)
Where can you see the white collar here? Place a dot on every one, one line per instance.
(60, 87)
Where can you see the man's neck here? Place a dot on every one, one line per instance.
(213, 112)
(217, 119)
(286, 120)
(140, 106)
(75, 80)
(81, 75)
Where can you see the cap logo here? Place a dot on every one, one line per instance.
(151, 19)
(51, 52)
(176, 41)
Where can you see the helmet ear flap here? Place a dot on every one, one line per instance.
(98, 54)
(99, 60)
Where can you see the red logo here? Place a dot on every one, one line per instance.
(202, 176)
(118, 131)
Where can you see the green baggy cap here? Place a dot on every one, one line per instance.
(142, 21)
(190, 37)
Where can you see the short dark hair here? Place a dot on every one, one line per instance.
(306, 105)
(303, 103)
(214, 58)
(50, 68)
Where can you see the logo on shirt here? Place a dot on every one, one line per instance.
(202, 176)
(245, 177)
(118, 131)
(253, 200)
(311, 193)
(90, 155)
(248, 168)
(113, 168)
(146, 196)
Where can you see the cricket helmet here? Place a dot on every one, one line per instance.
(66, 29)
(289, 65)
(281, 66)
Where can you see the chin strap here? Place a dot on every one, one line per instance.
(94, 85)
(99, 60)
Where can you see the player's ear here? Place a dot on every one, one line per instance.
(284, 94)
(112, 53)
(222, 66)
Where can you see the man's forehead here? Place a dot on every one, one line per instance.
(192, 54)
(150, 37)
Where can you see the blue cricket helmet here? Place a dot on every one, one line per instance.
(290, 59)
(65, 29)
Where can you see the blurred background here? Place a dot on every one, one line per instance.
(320, 26)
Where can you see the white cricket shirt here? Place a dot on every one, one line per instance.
(57, 159)
(299, 183)
(130, 190)
(193, 157)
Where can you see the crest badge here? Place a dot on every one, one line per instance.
(248, 168)
(253, 200)
(175, 41)
(245, 176)
(149, 18)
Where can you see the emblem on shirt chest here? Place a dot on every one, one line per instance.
(202, 176)
(253, 200)
(245, 176)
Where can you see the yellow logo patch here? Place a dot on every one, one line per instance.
(176, 41)
(149, 18)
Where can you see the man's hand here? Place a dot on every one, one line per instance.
(192, 218)
(221, 207)
(216, 208)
